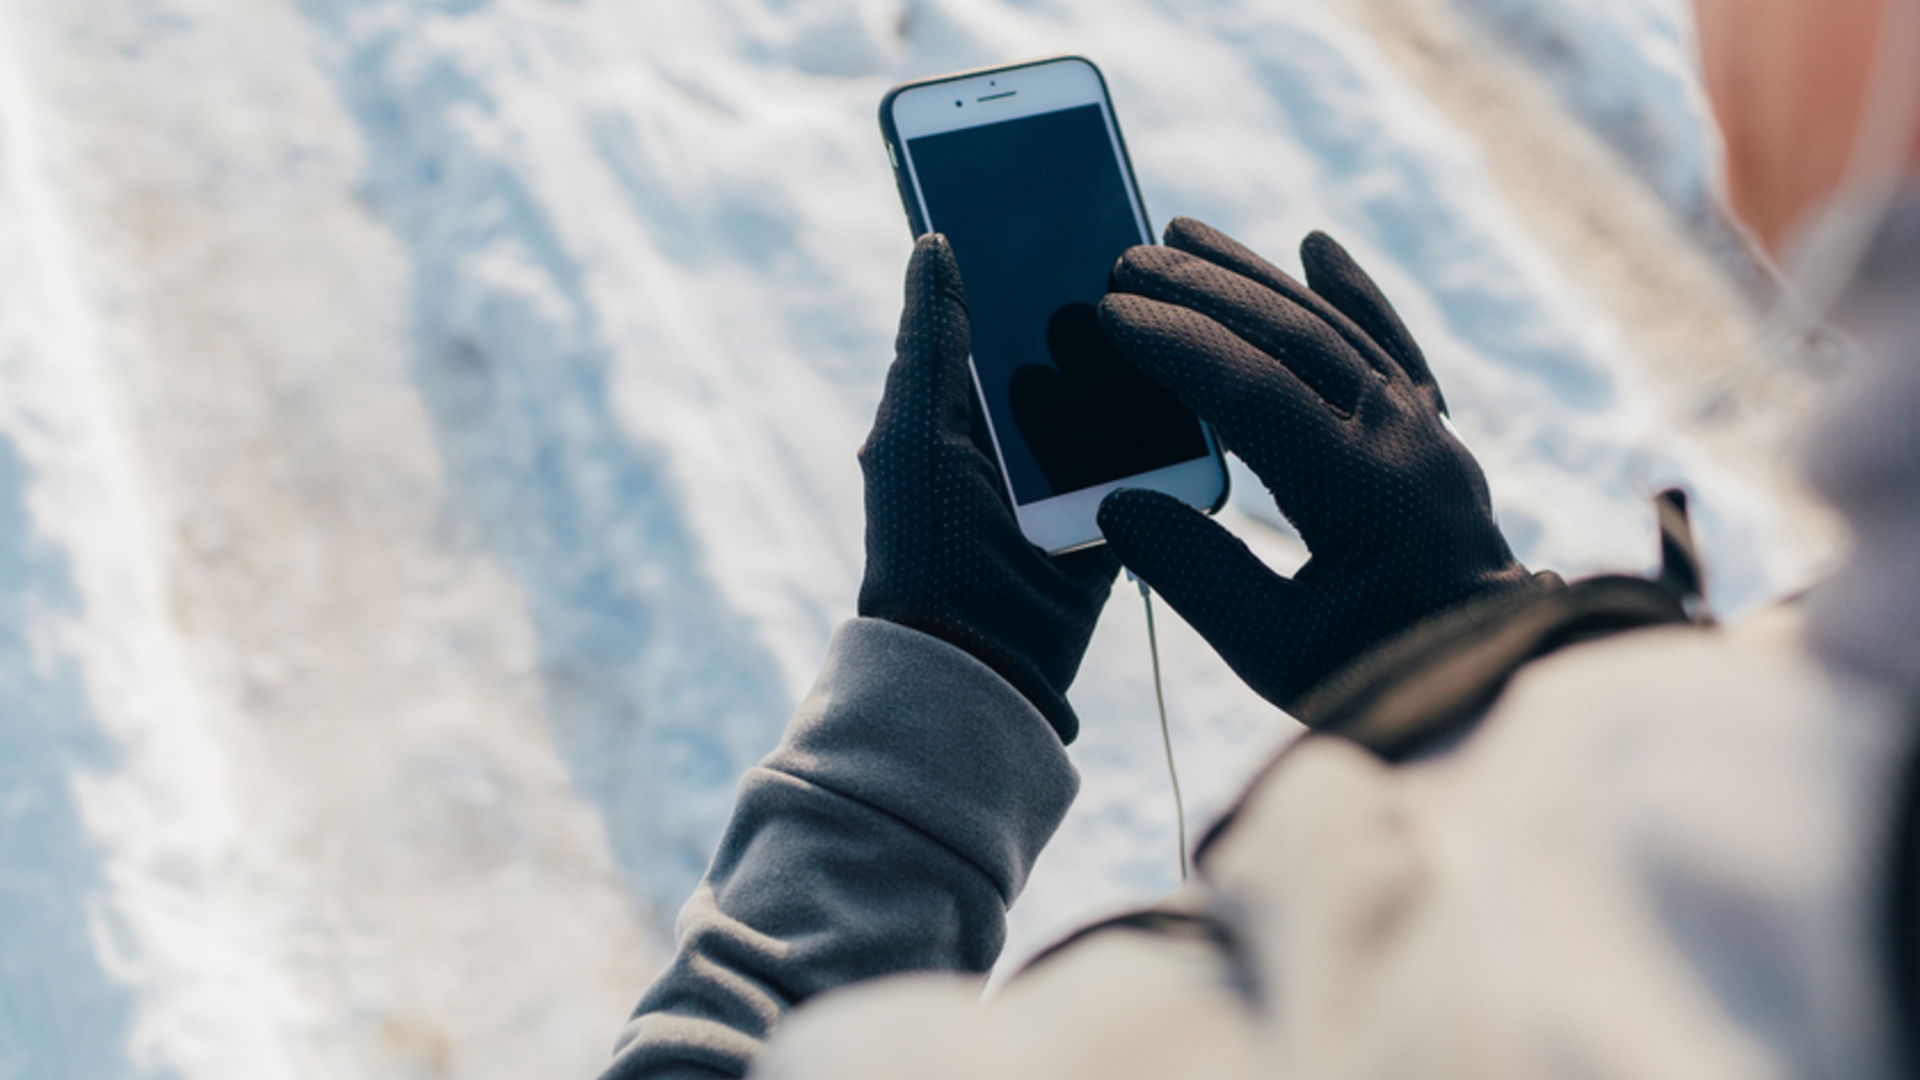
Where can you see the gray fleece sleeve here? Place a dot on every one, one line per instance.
(887, 833)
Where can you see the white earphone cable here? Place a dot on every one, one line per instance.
(1166, 736)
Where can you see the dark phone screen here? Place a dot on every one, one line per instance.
(1037, 213)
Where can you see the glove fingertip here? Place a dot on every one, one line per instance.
(928, 380)
(1118, 513)
(1333, 274)
(1147, 529)
(1121, 501)
(934, 267)
(1203, 241)
(1126, 320)
(1321, 253)
(1188, 234)
(1117, 312)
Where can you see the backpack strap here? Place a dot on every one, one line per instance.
(1446, 671)
(1440, 675)
(1196, 914)
(1443, 672)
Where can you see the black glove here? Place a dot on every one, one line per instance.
(944, 553)
(1324, 393)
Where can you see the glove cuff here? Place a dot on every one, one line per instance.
(920, 730)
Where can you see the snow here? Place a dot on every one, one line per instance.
(427, 479)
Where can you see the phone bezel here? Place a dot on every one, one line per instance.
(985, 96)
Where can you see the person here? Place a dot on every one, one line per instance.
(1536, 829)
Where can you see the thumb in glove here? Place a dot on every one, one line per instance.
(945, 555)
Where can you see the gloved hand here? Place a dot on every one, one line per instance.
(1324, 394)
(944, 553)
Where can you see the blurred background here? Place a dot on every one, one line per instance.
(427, 433)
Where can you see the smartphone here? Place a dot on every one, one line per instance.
(1024, 171)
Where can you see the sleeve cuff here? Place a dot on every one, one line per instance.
(921, 730)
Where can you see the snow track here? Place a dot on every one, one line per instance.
(125, 920)
(331, 834)
(427, 477)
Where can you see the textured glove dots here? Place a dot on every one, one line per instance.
(1322, 391)
(1318, 387)
(944, 553)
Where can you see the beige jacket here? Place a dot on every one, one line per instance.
(1659, 856)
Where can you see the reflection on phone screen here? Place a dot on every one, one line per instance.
(1037, 212)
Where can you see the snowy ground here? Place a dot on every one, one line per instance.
(426, 454)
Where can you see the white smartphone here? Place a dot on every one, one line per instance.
(1024, 171)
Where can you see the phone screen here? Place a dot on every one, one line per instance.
(1037, 212)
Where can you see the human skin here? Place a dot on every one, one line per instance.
(1788, 80)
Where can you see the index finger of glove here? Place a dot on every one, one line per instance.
(1260, 408)
(928, 391)
(1206, 242)
(1276, 325)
